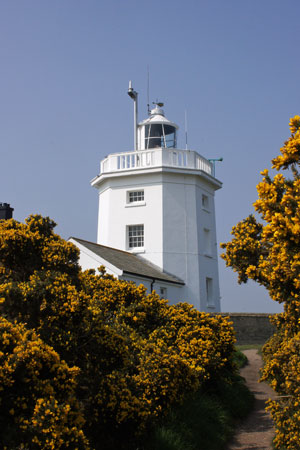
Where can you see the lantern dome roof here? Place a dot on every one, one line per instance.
(157, 115)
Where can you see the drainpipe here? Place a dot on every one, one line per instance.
(152, 283)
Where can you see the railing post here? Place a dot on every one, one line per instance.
(158, 157)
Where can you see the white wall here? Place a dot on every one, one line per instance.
(115, 214)
(208, 267)
(88, 260)
(184, 247)
(174, 292)
(174, 222)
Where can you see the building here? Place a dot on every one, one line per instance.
(6, 212)
(128, 266)
(156, 210)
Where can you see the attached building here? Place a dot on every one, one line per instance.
(130, 267)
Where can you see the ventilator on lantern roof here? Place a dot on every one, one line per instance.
(157, 130)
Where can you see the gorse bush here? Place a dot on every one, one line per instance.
(89, 361)
(37, 393)
(269, 253)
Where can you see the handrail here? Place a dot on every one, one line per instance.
(157, 157)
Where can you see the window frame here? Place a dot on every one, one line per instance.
(164, 141)
(209, 288)
(205, 202)
(135, 202)
(129, 230)
(207, 240)
(163, 292)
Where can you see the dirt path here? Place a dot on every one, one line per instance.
(256, 432)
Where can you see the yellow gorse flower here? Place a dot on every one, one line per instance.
(268, 253)
(86, 358)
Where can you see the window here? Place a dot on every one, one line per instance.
(135, 196)
(205, 202)
(160, 135)
(207, 242)
(209, 292)
(135, 236)
(163, 292)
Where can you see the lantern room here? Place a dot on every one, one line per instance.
(156, 131)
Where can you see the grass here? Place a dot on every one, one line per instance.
(240, 359)
(206, 420)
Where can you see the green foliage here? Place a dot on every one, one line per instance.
(206, 419)
(240, 359)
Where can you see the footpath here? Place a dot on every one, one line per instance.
(256, 431)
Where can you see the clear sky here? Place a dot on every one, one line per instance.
(65, 66)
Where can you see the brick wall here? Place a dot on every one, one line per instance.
(251, 328)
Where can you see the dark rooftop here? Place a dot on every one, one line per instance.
(128, 262)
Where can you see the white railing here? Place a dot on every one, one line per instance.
(167, 157)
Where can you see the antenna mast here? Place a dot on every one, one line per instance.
(186, 131)
(134, 95)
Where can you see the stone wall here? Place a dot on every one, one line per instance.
(251, 328)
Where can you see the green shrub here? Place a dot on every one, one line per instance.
(205, 421)
(240, 359)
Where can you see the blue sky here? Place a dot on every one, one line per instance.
(65, 66)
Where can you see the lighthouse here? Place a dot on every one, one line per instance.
(156, 207)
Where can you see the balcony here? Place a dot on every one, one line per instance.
(157, 157)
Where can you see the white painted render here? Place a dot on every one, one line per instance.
(118, 215)
(174, 292)
(176, 225)
(186, 253)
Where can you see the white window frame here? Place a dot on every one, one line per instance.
(207, 242)
(205, 202)
(136, 231)
(209, 287)
(139, 193)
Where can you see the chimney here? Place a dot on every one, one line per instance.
(5, 211)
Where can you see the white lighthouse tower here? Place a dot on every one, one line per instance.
(157, 203)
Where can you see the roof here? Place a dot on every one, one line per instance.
(129, 263)
(157, 116)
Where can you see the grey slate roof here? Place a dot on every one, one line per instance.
(128, 262)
